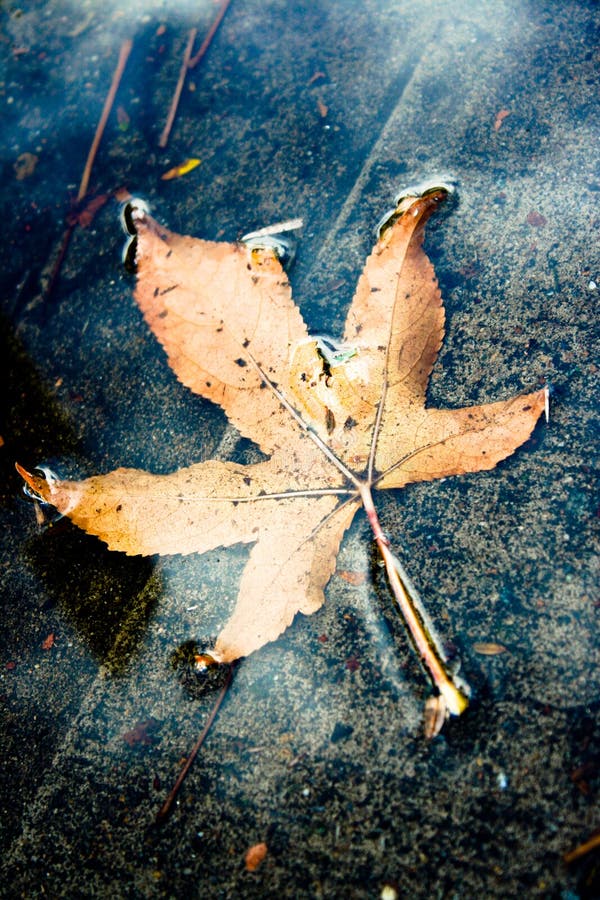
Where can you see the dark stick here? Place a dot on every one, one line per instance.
(211, 33)
(582, 849)
(164, 138)
(110, 99)
(166, 807)
(188, 63)
(85, 178)
(56, 266)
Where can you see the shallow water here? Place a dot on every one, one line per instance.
(322, 111)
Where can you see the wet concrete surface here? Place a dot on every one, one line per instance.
(319, 110)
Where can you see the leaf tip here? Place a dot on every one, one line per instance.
(31, 480)
(39, 483)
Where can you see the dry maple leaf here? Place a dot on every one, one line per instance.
(335, 421)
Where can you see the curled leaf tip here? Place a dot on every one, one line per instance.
(31, 480)
(203, 662)
(39, 483)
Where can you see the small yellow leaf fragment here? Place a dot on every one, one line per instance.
(255, 856)
(182, 169)
(486, 648)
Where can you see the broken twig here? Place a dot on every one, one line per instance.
(582, 849)
(164, 138)
(55, 266)
(210, 34)
(110, 99)
(189, 62)
(166, 807)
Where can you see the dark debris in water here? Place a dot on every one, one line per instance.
(198, 680)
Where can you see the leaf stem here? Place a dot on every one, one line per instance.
(430, 651)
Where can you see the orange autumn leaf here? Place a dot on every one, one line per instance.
(337, 422)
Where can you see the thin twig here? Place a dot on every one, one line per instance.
(56, 264)
(85, 178)
(582, 849)
(110, 99)
(190, 62)
(167, 805)
(210, 35)
(164, 138)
